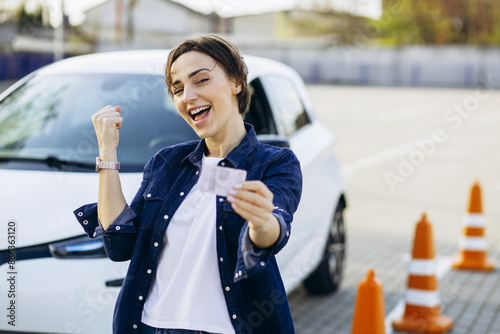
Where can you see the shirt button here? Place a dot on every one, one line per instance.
(262, 263)
(223, 163)
(236, 275)
(156, 244)
(220, 227)
(197, 172)
(148, 195)
(134, 326)
(85, 222)
(118, 228)
(95, 233)
(149, 271)
(182, 193)
(141, 298)
(221, 199)
(221, 259)
(228, 288)
(165, 217)
(80, 214)
(287, 233)
(234, 316)
(239, 273)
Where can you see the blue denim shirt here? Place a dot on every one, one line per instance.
(253, 289)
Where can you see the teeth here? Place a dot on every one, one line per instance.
(198, 110)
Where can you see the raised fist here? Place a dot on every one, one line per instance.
(107, 122)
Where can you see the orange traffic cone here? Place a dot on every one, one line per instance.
(473, 245)
(369, 309)
(423, 306)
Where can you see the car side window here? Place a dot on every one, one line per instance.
(259, 112)
(287, 105)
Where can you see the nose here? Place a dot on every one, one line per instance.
(189, 94)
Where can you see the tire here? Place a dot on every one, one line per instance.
(325, 279)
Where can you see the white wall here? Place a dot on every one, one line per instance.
(452, 66)
(155, 22)
(255, 25)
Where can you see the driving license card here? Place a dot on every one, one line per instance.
(220, 180)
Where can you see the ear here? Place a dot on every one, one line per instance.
(236, 85)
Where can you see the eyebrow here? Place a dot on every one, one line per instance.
(192, 74)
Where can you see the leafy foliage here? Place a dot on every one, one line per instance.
(438, 22)
(25, 18)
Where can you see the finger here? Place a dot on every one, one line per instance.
(112, 120)
(116, 121)
(106, 112)
(119, 123)
(104, 109)
(251, 206)
(257, 186)
(250, 214)
(253, 198)
(109, 110)
(111, 115)
(258, 207)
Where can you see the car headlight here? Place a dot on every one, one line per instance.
(78, 248)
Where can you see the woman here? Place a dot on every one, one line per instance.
(200, 263)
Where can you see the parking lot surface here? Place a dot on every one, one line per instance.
(404, 152)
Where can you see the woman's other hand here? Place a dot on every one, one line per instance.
(107, 122)
(253, 201)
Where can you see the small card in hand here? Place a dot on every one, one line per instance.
(220, 180)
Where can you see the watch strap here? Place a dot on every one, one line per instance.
(106, 164)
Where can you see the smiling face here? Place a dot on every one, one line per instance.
(204, 95)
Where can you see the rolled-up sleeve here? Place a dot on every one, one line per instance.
(119, 237)
(87, 217)
(284, 179)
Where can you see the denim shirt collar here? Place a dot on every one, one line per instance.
(235, 157)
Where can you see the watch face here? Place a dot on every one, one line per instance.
(97, 167)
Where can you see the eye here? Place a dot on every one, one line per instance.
(202, 80)
(178, 91)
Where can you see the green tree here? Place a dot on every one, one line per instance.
(322, 19)
(25, 19)
(475, 22)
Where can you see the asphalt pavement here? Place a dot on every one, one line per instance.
(403, 152)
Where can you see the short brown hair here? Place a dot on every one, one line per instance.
(224, 53)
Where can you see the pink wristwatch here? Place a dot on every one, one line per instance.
(99, 164)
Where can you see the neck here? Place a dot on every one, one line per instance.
(227, 140)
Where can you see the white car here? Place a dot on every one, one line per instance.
(57, 280)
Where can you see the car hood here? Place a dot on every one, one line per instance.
(41, 203)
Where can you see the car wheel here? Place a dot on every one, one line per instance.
(327, 276)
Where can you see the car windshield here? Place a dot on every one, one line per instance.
(48, 118)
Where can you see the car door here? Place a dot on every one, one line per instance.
(313, 144)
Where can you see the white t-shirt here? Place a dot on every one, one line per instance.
(187, 292)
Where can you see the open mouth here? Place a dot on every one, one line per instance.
(199, 113)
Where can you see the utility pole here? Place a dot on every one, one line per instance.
(58, 45)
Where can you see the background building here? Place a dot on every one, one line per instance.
(436, 43)
(125, 24)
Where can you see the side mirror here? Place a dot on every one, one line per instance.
(274, 140)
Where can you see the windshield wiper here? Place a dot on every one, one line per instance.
(50, 161)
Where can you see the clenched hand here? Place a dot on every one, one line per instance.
(107, 122)
(253, 201)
